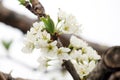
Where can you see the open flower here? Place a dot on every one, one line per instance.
(28, 48)
(77, 43)
(50, 49)
(37, 26)
(45, 36)
(62, 53)
(61, 15)
(43, 63)
(68, 23)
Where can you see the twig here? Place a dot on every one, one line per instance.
(35, 7)
(70, 68)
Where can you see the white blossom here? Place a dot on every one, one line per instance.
(40, 43)
(68, 28)
(75, 54)
(84, 70)
(50, 49)
(43, 63)
(77, 43)
(45, 35)
(68, 23)
(92, 54)
(82, 56)
(30, 36)
(28, 48)
(62, 53)
(61, 15)
(37, 26)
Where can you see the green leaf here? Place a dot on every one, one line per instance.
(30, 1)
(22, 2)
(6, 44)
(49, 24)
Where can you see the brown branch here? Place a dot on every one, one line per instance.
(35, 7)
(115, 76)
(5, 76)
(70, 68)
(109, 64)
(14, 19)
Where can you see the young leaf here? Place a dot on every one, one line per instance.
(30, 1)
(22, 2)
(49, 24)
(6, 44)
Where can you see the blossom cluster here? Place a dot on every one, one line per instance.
(40, 36)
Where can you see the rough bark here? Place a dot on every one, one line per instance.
(35, 7)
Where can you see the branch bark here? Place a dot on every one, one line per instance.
(35, 7)
(70, 68)
(5, 76)
(14, 19)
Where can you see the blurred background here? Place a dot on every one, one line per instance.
(100, 24)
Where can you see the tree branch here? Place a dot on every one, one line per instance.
(70, 68)
(5, 76)
(35, 7)
(14, 19)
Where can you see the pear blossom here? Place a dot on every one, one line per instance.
(61, 15)
(37, 26)
(84, 70)
(43, 63)
(45, 36)
(62, 53)
(41, 36)
(69, 28)
(30, 36)
(68, 23)
(75, 54)
(77, 43)
(28, 48)
(94, 55)
(40, 43)
(50, 49)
